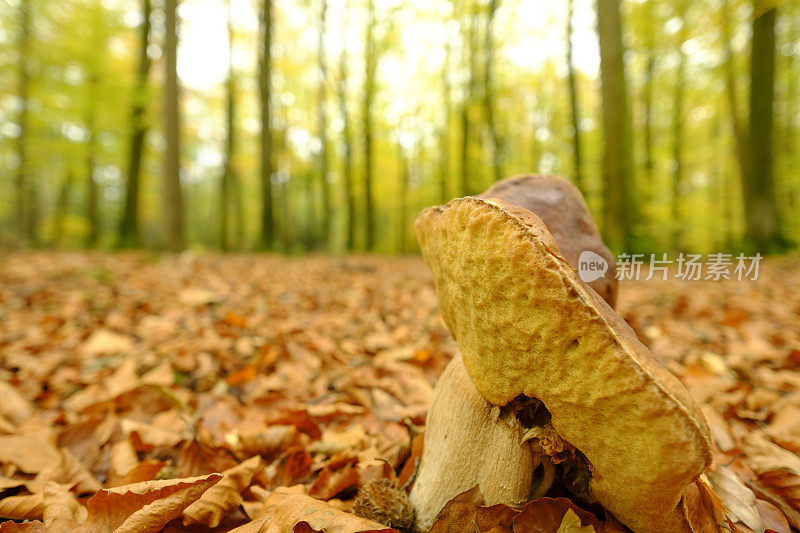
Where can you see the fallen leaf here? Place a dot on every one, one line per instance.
(24, 527)
(31, 453)
(739, 501)
(13, 406)
(22, 507)
(62, 512)
(104, 341)
(144, 507)
(572, 524)
(703, 508)
(223, 497)
(467, 512)
(545, 515)
(287, 509)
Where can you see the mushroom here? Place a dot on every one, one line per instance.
(557, 366)
(562, 208)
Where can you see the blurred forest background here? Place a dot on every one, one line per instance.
(326, 125)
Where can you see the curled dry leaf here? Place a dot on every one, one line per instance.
(288, 509)
(544, 515)
(466, 512)
(223, 497)
(22, 507)
(778, 473)
(703, 509)
(739, 501)
(62, 512)
(144, 507)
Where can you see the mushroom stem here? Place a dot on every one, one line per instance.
(468, 443)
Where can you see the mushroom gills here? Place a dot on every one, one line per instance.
(555, 457)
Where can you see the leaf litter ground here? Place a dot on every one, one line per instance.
(189, 392)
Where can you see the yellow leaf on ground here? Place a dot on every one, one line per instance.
(572, 524)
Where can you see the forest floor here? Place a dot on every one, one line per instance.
(301, 380)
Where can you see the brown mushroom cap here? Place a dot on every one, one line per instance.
(527, 325)
(564, 211)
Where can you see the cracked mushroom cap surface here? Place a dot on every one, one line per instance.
(562, 208)
(526, 325)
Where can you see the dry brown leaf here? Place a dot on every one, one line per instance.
(147, 470)
(739, 501)
(104, 341)
(62, 512)
(467, 512)
(144, 507)
(69, 470)
(223, 497)
(24, 527)
(773, 518)
(123, 459)
(13, 407)
(544, 515)
(703, 508)
(288, 509)
(22, 507)
(31, 453)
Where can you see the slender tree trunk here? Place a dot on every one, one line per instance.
(173, 196)
(24, 188)
(322, 124)
(488, 92)
(762, 225)
(347, 144)
(619, 208)
(444, 140)
(228, 173)
(466, 123)
(573, 105)
(369, 95)
(129, 224)
(731, 92)
(265, 90)
(62, 203)
(91, 158)
(677, 134)
(648, 114)
(404, 176)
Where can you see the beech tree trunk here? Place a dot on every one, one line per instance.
(762, 225)
(322, 124)
(173, 195)
(347, 147)
(24, 187)
(129, 223)
(488, 93)
(228, 177)
(265, 146)
(573, 105)
(677, 134)
(370, 62)
(619, 206)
